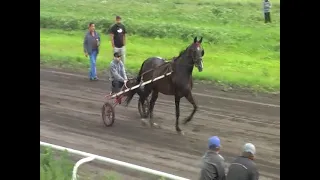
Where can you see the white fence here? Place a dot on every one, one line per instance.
(90, 157)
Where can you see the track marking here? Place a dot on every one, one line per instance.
(238, 100)
(198, 94)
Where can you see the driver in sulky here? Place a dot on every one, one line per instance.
(118, 75)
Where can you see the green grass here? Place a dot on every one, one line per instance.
(240, 49)
(52, 168)
(58, 166)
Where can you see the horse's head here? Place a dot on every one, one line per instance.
(196, 52)
(129, 84)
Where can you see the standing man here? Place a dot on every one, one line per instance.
(212, 166)
(118, 38)
(243, 168)
(91, 45)
(266, 9)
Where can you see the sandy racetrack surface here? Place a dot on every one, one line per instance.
(70, 115)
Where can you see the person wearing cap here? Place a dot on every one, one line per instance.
(118, 37)
(243, 167)
(213, 165)
(118, 75)
(91, 44)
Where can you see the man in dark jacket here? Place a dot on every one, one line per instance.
(212, 166)
(243, 168)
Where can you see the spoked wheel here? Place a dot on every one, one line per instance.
(144, 108)
(108, 114)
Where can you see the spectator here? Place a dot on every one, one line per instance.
(212, 166)
(118, 38)
(266, 9)
(91, 45)
(243, 168)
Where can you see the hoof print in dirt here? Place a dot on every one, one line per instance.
(155, 125)
(195, 129)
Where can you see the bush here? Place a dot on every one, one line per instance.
(52, 168)
(151, 29)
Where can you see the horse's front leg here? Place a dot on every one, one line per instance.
(189, 97)
(177, 103)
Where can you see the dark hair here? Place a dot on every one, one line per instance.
(116, 54)
(247, 154)
(118, 17)
(90, 24)
(214, 147)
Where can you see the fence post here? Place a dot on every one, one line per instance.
(79, 163)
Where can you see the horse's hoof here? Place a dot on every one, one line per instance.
(155, 125)
(180, 133)
(144, 122)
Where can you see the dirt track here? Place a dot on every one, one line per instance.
(70, 116)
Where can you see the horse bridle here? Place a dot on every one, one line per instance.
(193, 58)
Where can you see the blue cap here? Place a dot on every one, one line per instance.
(214, 142)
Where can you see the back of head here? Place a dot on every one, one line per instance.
(214, 143)
(249, 150)
(116, 54)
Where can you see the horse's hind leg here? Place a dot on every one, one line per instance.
(189, 97)
(143, 95)
(153, 100)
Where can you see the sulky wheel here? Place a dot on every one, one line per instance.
(108, 114)
(144, 109)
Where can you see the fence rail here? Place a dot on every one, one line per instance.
(89, 157)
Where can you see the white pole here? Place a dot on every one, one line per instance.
(79, 163)
(116, 162)
(144, 83)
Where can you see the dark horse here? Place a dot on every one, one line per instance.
(179, 83)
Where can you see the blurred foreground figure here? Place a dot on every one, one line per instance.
(212, 166)
(243, 168)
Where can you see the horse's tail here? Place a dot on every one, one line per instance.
(133, 92)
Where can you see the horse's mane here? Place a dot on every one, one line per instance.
(174, 59)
